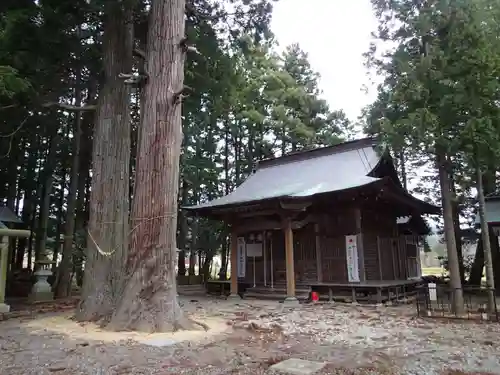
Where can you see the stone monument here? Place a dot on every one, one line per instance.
(42, 291)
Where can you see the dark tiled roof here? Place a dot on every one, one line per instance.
(492, 211)
(304, 174)
(7, 216)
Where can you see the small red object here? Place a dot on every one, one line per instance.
(314, 296)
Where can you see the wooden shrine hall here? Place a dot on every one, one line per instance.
(334, 219)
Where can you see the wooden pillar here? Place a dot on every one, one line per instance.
(379, 258)
(290, 271)
(264, 254)
(319, 270)
(234, 265)
(419, 260)
(394, 251)
(361, 252)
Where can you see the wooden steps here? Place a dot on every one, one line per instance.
(278, 292)
(191, 290)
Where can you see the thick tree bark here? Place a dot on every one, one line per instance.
(149, 301)
(63, 284)
(449, 233)
(108, 227)
(485, 236)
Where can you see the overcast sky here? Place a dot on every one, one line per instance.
(335, 34)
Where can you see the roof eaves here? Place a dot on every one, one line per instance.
(428, 207)
(7, 216)
(297, 196)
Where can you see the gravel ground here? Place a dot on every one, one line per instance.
(247, 337)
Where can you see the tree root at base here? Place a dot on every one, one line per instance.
(142, 316)
(95, 313)
(201, 324)
(183, 324)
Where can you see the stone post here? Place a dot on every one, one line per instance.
(4, 260)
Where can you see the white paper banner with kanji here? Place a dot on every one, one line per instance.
(351, 248)
(242, 257)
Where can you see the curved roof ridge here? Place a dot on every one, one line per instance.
(355, 144)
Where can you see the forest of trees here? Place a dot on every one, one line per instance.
(79, 84)
(116, 113)
(438, 108)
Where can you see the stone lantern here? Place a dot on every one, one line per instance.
(42, 291)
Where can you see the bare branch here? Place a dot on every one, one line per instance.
(8, 106)
(181, 94)
(186, 47)
(69, 107)
(11, 136)
(139, 53)
(133, 79)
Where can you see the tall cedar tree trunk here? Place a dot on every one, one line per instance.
(227, 182)
(64, 155)
(404, 177)
(183, 229)
(195, 221)
(81, 214)
(149, 301)
(223, 263)
(458, 238)
(48, 175)
(195, 235)
(12, 176)
(109, 201)
(28, 201)
(455, 207)
(134, 129)
(476, 272)
(35, 204)
(485, 236)
(449, 233)
(60, 217)
(63, 287)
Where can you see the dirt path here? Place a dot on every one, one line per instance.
(248, 337)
